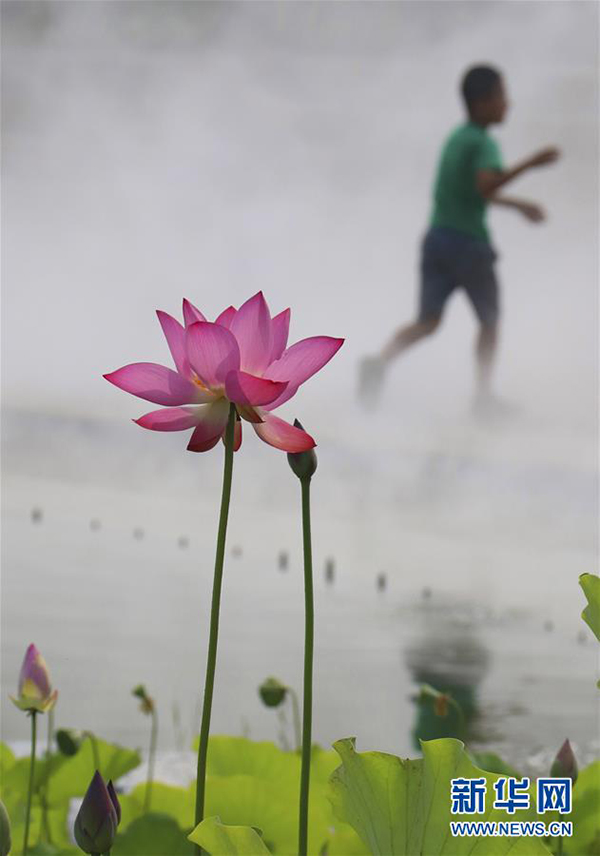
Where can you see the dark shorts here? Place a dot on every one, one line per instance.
(451, 260)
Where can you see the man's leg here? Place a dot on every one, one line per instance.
(436, 286)
(485, 350)
(481, 286)
(409, 335)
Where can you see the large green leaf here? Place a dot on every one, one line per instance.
(178, 803)
(73, 776)
(55, 825)
(493, 763)
(402, 807)
(591, 614)
(7, 759)
(218, 838)
(152, 835)
(258, 784)
(234, 756)
(65, 777)
(586, 813)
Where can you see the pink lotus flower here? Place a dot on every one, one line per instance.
(35, 690)
(240, 358)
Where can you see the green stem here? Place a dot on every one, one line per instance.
(151, 759)
(30, 790)
(296, 716)
(309, 634)
(50, 730)
(211, 660)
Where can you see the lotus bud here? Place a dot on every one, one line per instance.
(565, 763)
(35, 690)
(272, 692)
(114, 799)
(97, 819)
(303, 464)
(5, 842)
(69, 741)
(146, 702)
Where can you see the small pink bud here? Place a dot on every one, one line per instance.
(35, 689)
(565, 763)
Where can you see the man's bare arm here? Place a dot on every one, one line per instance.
(530, 210)
(490, 180)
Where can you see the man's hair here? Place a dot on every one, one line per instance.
(479, 82)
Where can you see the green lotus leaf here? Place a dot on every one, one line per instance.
(235, 756)
(54, 826)
(15, 779)
(400, 807)
(258, 784)
(218, 838)
(586, 813)
(175, 802)
(72, 776)
(591, 614)
(7, 759)
(492, 763)
(344, 841)
(44, 849)
(152, 835)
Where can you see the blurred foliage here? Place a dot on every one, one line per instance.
(371, 803)
(585, 814)
(591, 614)
(403, 807)
(216, 837)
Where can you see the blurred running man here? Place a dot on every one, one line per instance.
(456, 251)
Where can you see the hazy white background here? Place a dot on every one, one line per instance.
(155, 150)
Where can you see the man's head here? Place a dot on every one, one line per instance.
(483, 92)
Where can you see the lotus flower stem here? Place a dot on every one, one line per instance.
(30, 789)
(214, 619)
(151, 760)
(309, 633)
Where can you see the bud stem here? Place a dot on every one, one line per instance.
(151, 759)
(214, 621)
(309, 632)
(30, 790)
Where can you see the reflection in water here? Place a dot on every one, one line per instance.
(448, 662)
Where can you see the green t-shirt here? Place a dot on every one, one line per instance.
(457, 202)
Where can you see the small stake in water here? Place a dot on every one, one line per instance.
(381, 582)
(183, 542)
(329, 570)
(138, 533)
(236, 551)
(36, 515)
(283, 560)
(426, 593)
